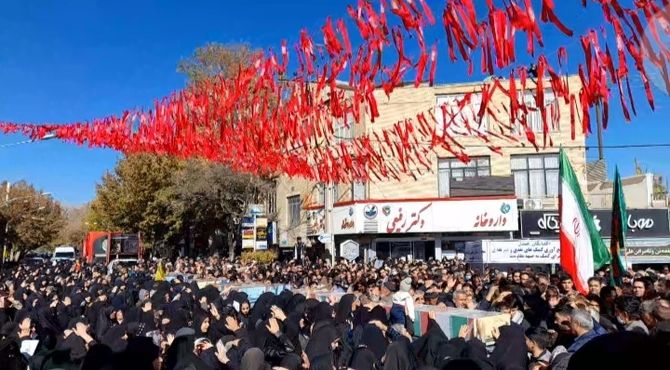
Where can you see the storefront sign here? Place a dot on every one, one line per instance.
(261, 233)
(642, 223)
(370, 211)
(427, 216)
(254, 232)
(247, 222)
(325, 238)
(647, 252)
(513, 251)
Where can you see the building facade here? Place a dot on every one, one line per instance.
(455, 209)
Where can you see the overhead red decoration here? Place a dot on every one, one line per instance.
(260, 123)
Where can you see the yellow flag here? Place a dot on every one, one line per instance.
(160, 272)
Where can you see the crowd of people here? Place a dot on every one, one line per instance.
(79, 316)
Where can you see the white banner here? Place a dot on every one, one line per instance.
(514, 251)
(430, 216)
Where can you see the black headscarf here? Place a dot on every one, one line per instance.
(399, 356)
(363, 359)
(97, 357)
(343, 309)
(253, 359)
(197, 323)
(323, 311)
(510, 351)
(262, 308)
(73, 343)
(140, 354)
(180, 354)
(623, 350)
(291, 362)
(176, 315)
(374, 340)
(428, 345)
(320, 342)
(295, 301)
(114, 338)
(379, 314)
(322, 362)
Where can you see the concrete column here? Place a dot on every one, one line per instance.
(438, 249)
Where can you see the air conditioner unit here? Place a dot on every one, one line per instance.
(532, 204)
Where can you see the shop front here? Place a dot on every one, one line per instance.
(647, 234)
(418, 229)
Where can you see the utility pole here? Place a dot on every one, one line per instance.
(601, 154)
(328, 206)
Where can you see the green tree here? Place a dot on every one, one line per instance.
(171, 201)
(30, 218)
(214, 60)
(226, 194)
(214, 199)
(75, 227)
(138, 197)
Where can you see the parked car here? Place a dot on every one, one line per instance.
(32, 260)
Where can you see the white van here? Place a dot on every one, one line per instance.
(64, 253)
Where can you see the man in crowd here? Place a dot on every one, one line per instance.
(595, 284)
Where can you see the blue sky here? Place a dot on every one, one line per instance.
(64, 61)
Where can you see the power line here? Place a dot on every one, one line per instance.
(8, 145)
(48, 136)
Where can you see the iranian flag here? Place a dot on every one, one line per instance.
(582, 249)
(619, 224)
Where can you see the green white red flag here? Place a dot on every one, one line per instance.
(619, 224)
(582, 249)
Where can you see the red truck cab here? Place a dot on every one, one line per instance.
(105, 246)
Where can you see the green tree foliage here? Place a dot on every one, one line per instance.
(170, 201)
(215, 198)
(74, 228)
(30, 218)
(137, 197)
(214, 60)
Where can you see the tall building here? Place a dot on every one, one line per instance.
(456, 207)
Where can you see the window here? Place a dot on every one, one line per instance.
(534, 117)
(452, 168)
(272, 203)
(321, 189)
(336, 193)
(344, 131)
(456, 119)
(293, 210)
(358, 191)
(535, 176)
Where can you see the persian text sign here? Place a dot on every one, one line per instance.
(641, 223)
(439, 215)
(522, 251)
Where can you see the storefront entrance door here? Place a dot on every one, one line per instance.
(404, 248)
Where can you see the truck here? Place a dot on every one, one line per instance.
(106, 246)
